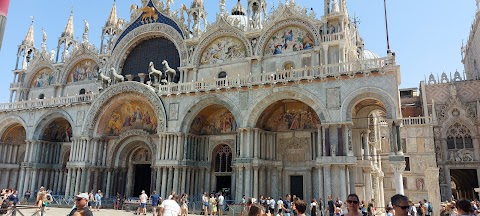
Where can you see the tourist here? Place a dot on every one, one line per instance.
(400, 205)
(81, 201)
(171, 195)
(271, 205)
(257, 210)
(287, 205)
(412, 210)
(184, 204)
(353, 203)
(142, 209)
(279, 206)
(91, 200)
(212, 202)
(331, 205)
(205, 203)
(464, 208)
(428, 208)
(320, 206)
(118, 200)
(300, 207)
(26, 196)
(313, 207)
(39, 203)
(98, 200)
(170, 207)
(221, 202)
(389, 211)
(155, 198)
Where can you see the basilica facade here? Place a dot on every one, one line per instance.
(253, 104)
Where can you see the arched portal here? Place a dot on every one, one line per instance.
(464, 183)
(213, 120)
(222, 157)
(12, 151)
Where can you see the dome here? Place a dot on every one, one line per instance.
(367, 54)
(238, 9)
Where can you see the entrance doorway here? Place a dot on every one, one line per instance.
(296, 186)
(224, 184)
(465, 181)
(142, 179)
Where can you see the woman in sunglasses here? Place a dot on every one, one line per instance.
(353, 205)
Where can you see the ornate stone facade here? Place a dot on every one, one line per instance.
(314, 119)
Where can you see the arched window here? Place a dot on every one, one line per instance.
(41, 96)
(458, 137)
(288, 66)
(223, 159)
(222, 74)
(82, 91)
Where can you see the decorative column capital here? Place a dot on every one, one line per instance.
(398, 166)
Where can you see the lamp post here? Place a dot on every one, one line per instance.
(3, 18)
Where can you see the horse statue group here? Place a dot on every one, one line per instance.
(108, 80)
(157, 74)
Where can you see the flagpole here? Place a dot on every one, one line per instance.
(386, 25)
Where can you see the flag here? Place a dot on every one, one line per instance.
(3, 18)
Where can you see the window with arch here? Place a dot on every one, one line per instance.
(459, 137)
(41, 96)
(82, 91)
(222, 74)
(223, 159)
(288, 66)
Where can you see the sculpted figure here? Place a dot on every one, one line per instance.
(168, 71)
(105, 79)
(116, 77)
(157, 74)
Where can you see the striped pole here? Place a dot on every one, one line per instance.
(3, 18)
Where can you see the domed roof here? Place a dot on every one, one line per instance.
(367, 54)
(238, 9)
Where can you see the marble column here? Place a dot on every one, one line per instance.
(188, 181)
(164, 182)
(183, 181)
(255, 183)
(77, 180)
(432, 174)
(367, 173)
(366, 145)
(69, 179)
(248, 181)
(398, 168)
(176, 174)
(320, 182)
(382, 191)
(327, 181)
(109, 183)
(343, 183)
(208, 180)
(351, 175)
(239, 183)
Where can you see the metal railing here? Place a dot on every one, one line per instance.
(410, 121)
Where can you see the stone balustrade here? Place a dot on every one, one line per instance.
(333, 37)
(284, 76)
(50, 102)
(410, 121)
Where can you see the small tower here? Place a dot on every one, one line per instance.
(198, 15)
(26, 49)
(112, 27)
(257, 11)
(66, 40)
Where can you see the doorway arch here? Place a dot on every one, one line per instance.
(222, 156)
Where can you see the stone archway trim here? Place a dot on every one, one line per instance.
(124, 140)
(368, 93)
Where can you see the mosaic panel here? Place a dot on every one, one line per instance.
(221, 121)
(84, 70)
(43, 78)
(289, 39)
(223, 50)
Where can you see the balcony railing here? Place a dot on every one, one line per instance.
(15, 85)
(333, 37)
(50, 102)
(410, 121)
(285, 76)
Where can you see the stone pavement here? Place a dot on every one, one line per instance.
(53, 211)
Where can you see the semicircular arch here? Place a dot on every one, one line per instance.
(358, 95)
(146, 32)
(203, 102)
(72, 63)
(47, 118)
(43, 72)
(8, 121)
(125, 144)
(278, 26)
(298, 94)
(213, 35)
(95, 110)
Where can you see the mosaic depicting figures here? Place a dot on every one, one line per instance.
(218, 123)
(130, 115)
(14, 135)
(84, 70)
(43, 78)
(223, 50)
(290, 116)
(289, 39)
(58, 131)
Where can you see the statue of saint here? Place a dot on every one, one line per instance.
(87, 27)
(44, 39)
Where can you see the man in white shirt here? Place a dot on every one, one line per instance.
(142, 209)
(221, 201)
(170, 207)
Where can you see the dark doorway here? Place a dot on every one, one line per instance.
(465, 181)
(142, 179)
(224, 184)
(296, 186)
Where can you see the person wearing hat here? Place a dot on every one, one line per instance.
(81, 201)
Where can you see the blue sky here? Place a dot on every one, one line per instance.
(426, 35)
